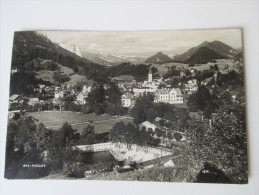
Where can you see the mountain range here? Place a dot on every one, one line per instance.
(202, 53)
(205, 52)
(110, 59)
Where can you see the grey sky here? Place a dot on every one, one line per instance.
(144, 43)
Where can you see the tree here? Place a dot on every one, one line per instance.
(114, 94)
(42, 136)
(150, 115)
(86, 109)
(129, 134)
(158, 132)
(88, 135)
(117, 133)
(142, 104)
(68, 133)
(177, 136)
(201, 100)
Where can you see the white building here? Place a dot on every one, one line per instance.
(86, 89)
(148, 125)
(127, 100)
(171, 96)
(33, 101)
(81, 98)
(59, 94)
(140, 91)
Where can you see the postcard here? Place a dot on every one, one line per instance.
(160, 106)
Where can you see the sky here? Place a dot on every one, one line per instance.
(143, 43)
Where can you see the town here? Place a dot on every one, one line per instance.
(129, 121)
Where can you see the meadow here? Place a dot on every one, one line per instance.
(55, 119)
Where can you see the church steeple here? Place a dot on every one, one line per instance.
(150, 75)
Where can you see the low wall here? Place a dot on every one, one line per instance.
(163, 155)
(109, 146)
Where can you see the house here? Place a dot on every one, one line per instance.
(182, 73)
(148, 125)
(14, 71)
(14, 113)
(15, 98)
(171, 96)
(191, 86)
(80, 98)
(33, 101)
(86, 89)
(127, 100)
(59, 94)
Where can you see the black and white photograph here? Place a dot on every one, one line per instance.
(157, 106)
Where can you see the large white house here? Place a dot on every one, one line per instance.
(171, 96)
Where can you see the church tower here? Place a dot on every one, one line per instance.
(150, 75)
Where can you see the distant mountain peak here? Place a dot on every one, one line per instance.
(159, 58)
(72, 48)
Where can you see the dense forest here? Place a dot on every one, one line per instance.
(139, 71)
(30, 48)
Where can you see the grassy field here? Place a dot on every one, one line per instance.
(163, 68)
(79, 121)
(47, 75)
(74, 79)
(65, 70)
(220, 62)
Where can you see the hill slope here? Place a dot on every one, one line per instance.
(204, 55)
(34, 54)
(159, 58)
(29, 45)
(214, 49)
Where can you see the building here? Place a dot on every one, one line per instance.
(33, 101)
(81, 98)
(171, 96)
(191, 86)
(127, 100)
(148, 125)
(86, 89)
(150, 75)
(15, 98)
(59, 94)
(140, 91)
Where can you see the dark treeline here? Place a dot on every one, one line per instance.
(24, 82)
(139, 71)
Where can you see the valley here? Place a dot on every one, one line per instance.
(153, 118)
